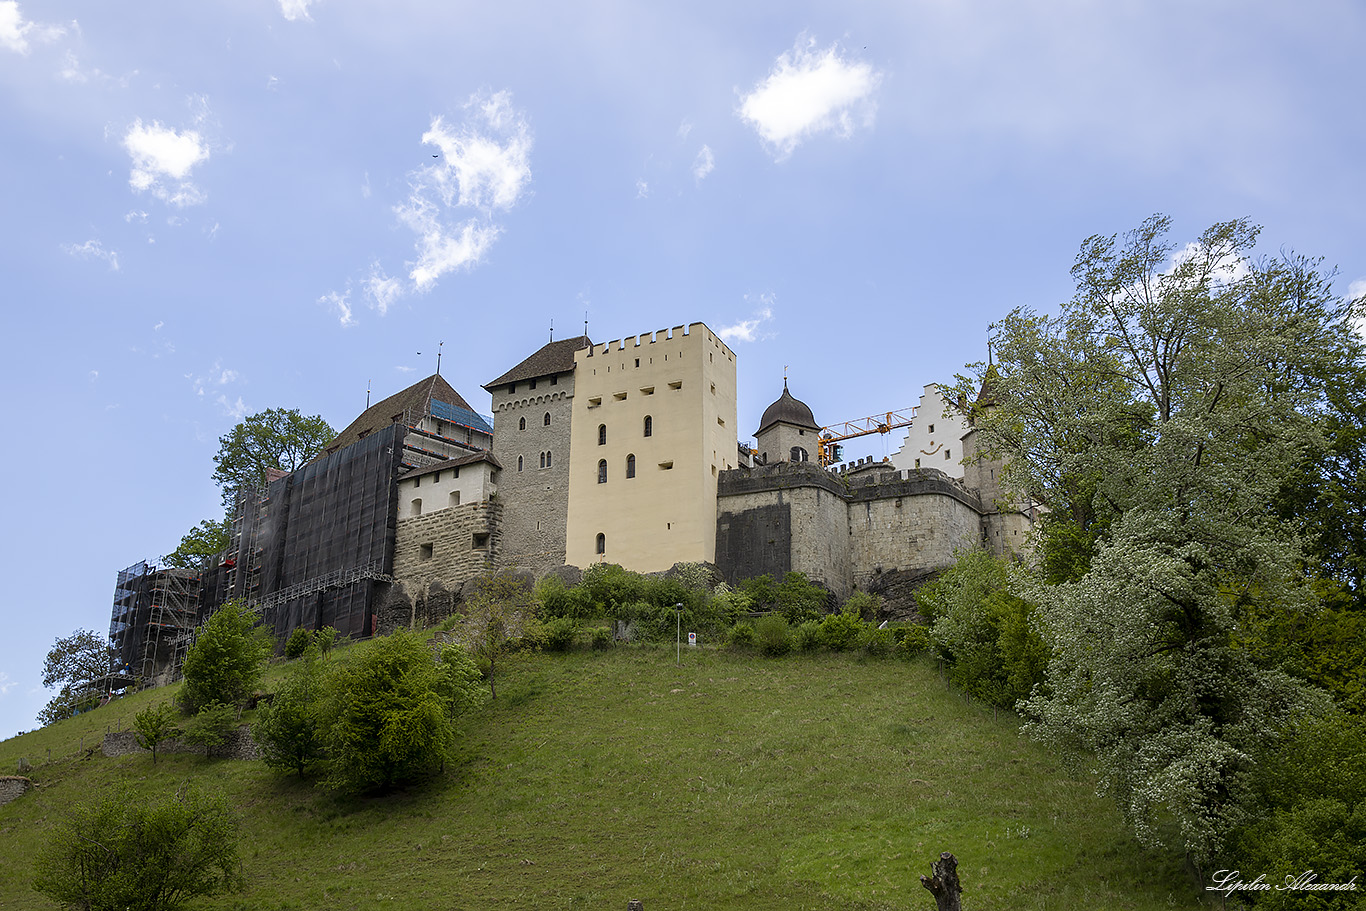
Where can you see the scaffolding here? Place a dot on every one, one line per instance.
(154, 615)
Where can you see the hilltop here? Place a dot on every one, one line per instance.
(825, 781)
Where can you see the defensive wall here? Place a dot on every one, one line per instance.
(849, 532)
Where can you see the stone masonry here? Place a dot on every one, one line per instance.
(447, 547)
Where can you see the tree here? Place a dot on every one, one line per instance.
(390, 710)
(204, 540)
(1168, 402)
(154, 724)
(211, 726)
(273, 439)
(288, 729)
(497, 617)
(226, 660)
(80, 663)
(122, 853)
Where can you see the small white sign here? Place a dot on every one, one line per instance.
(692, 638)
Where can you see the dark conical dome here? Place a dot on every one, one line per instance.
(787, 410)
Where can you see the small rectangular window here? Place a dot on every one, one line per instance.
(666, 466)
(721, 422)
(619, 396)
(595, 401)
(637, 362)
(647, 390)
(436, 478)
(512, 388)
(481, 541)
(555, 380)
(946, 455)
(533, 385)
(424, 552)
(417, 481)
(677, 384)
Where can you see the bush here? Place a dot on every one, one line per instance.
(912, 639)
(325, 637)
(154, 724)
(600, 638)
(147, 856)
(773, 635)
(558, 635)
(841, 631)
(863, 605)
(877, 643)
(558, 600)
(288, 729)
(807, 636)
(742, 635)
(298, 643)
(210, 726)
(800, 599)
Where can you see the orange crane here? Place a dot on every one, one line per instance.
(829, 437)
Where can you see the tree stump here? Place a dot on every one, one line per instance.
(944, 885)
(635, 904)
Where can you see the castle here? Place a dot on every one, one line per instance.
(625, 452)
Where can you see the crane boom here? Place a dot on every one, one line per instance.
(885, 422)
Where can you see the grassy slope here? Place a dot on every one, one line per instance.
(733, 782)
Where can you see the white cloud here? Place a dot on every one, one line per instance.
(94, 375)
(703, 164)
(748, 330)
(157, 327)
(162, 161)
(642, 189)
(273, 83)
(684, 129)
(342, 304)
(296, 9)
(135, 215)
(810, 92)
(485, 165)
(234, 409)
(15, 32)
(405, 369)
(382, 290)
(6, 684)
(93, 249)
(365, 187)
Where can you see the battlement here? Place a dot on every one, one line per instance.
(645, 338)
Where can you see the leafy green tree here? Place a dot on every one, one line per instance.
(123, 854)
(497, 618)
(324, 638)
(154, 724)
(288, 729)
(390, 710)
(1171, 397)
(273, 439)
(201, 542)
(80, 663)
(298, 643)
(226, 660)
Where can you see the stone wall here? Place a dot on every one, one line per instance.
(912, 522)
(12, 787)
(239, 745)
(446, 548)
(536, 496)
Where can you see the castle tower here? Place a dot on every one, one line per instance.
(788, 431)
(533, 409)
(654, 423)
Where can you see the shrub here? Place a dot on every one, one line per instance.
(154, 724)
(912, 639)
(146, 856)
(807, 636)
(288, 729)
(558, 600)
(298, 643)
(325, 637)
(773, 635)
(863, 605)
(800, 599)
(558, 635)
(600, 638)
(841, 631)
(877, 643)
(742, 635)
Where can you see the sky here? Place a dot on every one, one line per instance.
(210, 209)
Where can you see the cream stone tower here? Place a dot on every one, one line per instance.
(653, 424)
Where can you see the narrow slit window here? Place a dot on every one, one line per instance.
(630, 466)
(602, 471)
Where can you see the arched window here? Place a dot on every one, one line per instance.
(630, 466)
(547, 459)
(649, 425)
(543, 460)
(602, 543)
(547, 419)
(602, 471)
(519, 463)
(415, 508)
(521, 425)
(602, 434)
(798, 454)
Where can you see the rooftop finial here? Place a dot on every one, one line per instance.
(552, 328)
(784, 377)
(438, 357)
(367, 394)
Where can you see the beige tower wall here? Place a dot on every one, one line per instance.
(685, 382)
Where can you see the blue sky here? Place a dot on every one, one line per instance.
(209, 209)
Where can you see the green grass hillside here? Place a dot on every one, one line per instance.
(810, 782)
